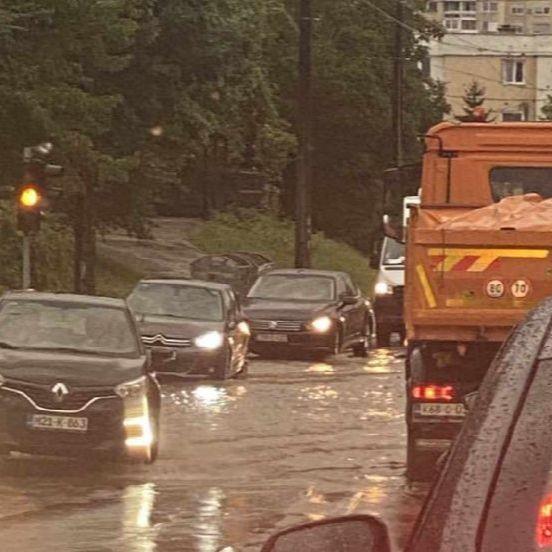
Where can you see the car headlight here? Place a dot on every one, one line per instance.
(382, 288)
(321, 324)
(132, 389)
(243, 327)
(210, 340)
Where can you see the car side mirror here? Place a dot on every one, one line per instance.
(349, 299)
(357, 533)
(391, 230)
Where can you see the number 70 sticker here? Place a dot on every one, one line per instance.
(519, 289)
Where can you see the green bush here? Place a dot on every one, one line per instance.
(274, 237)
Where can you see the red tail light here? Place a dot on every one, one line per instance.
(544, 523)
(433, 392)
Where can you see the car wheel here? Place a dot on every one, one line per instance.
(244, 372)
(361, 348)
(224, 368)
(383, 336)
(337, 343)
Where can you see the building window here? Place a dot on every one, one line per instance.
(490, 27)
(432, 7)
(468, 25)
(489, 7)
(542, 10)
(541, 28)
(452, 6)
(468, 6)
(512, 116)
(513, 71)
(452, 24)
(518, 9)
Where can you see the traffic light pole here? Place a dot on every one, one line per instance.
(26, 261)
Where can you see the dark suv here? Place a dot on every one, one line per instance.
(74, 378)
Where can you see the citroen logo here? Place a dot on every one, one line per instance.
(273, 325)
(59, 390)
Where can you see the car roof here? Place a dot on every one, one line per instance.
(92, 300)
(186, 282)
(305, 272)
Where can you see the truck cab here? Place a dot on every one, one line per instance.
(478, 257)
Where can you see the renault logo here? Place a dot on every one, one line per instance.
(59, 390)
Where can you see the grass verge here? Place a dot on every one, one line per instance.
(251, 231)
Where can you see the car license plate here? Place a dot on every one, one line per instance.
(441, 409)
(61, 423)
(272, 338)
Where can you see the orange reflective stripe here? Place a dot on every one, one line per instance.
(426, 286)
(479, 260)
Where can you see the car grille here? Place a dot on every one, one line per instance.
(160, 340)
(277, 325)
(43, 397)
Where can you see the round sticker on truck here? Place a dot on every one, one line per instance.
(495, 289)
(520, 289)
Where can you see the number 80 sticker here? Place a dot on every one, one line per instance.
(495, 289)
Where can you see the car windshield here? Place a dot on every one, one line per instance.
(393, 252)
(515, 181)
(294, 287)
(176, 301)
(49, 325)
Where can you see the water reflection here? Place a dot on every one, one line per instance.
(138, 503)
(208, 527)
(321, 368)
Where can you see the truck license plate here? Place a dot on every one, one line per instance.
(272, 338)
(441, 409)
(58, 423)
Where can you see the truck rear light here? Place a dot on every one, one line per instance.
(431, 392)
(544, 523)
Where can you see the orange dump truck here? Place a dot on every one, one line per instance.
(479, 256)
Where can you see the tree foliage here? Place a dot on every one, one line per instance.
(474, 98)
(217, 79)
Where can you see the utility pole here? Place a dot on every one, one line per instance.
(398, 107)
(304, 167)
(26, 261)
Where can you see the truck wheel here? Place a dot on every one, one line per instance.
(383, 336)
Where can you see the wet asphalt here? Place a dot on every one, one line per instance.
(294, 441)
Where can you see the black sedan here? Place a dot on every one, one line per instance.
(191, 327)
(310, 310)
(494, 493)
(75, 379)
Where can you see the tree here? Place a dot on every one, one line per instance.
(474, 98)
(546, 109)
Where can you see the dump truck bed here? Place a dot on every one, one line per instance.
(472, 277)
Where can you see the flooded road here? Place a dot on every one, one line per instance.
(295, 441)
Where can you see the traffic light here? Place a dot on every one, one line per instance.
(31, 195)
(30, 199)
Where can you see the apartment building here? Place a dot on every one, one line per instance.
(514, 69)
(499, 16)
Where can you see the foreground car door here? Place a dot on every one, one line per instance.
(455, 516)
